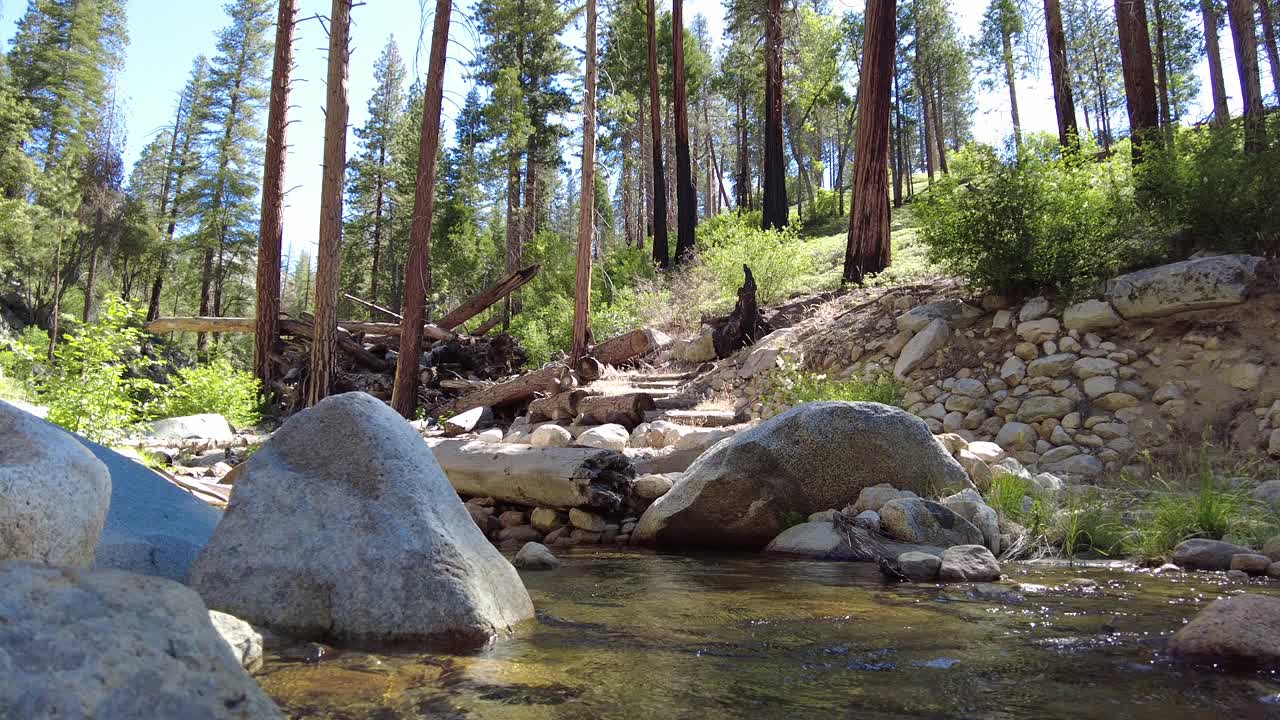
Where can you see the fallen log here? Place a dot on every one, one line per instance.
(372, 306)
(553, 408)
(160, 326)
(559, 478)
(484, 299)
(627, 410)
(549, 380)
(630, 346)
(487, 325)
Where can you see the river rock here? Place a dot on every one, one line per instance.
(535, 556)
(919, 567)
(1014, 436)
(956, 313)
(53, 492)
(1200, 284)
(968, 563)
(1036, 409)
(1038, 331)
(873, 498)
(1240, 630)
(921, 347)
(923, 522)
(605, 437)
(1202, 554)
(547, 519)
(698, 350)
(551, 435)
(244, 641)
(586, 520)
(1091, 315)
(1251, 563)
(80, 645)
(816, 540)
(652, 487)
(969, 505)
(206, 426)
(813, 457)
(344, 526)
(1076, 467)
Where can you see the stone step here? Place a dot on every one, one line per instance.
(701, 418)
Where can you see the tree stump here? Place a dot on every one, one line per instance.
(744, 325)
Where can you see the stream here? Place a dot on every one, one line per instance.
(629, 634)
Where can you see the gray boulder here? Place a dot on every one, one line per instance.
(1202, 554)
(928, 341)
(82, 645)
(919, 567)
(343, 526)
(956, 313)
(153, 527)
(816, 540)
(1200, 284)
(811, 458)
(1243, 630)
(924, 522)
(535, 556)
(969, 505)
(244, 641)
(969, 563)
(874, 497)
(206, 426)
(53, 492)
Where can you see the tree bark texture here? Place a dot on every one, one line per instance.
(661, 247)
(1064, 103)
(586, 203)
(1240, 13)
(1139, 73)
(776, 209)
(1213, 48)
(686, 196)
(867, 250)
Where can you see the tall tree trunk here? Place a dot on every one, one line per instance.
(1010, 79)
(1217, 82)
(271, 220)
(926, 127)
(90, 281)
(628, 189)
(1139, 75)
(375, 269)
(775, 164)
(206, 301)
(1068, 131)
(686, 196)
(742, 183)
(1162, 68)
(1269, 39)
(939, 134)
(1240, 12)
(710, 208)
(587, 205)
(896, 144)
(868, 246)
(324, 342)
(417, 269)
(661, 248)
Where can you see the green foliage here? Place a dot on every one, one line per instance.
(1008, 496)
(777, 258)
(1088, 526)
(791, 518)
(1206, 187)
(21, 358)
(1046, 222)
(89, 390)
(213, 388)
(792, 385)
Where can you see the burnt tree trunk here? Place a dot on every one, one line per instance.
(1240, 12)
(1139, 74)
(744, 325)
(867, 250)
(271, 220)
(1064, 103)
(661, 248)
(417, 271)
(686, 196)
(324, 348)
(775, 163)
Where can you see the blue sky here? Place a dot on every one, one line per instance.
(165, 35)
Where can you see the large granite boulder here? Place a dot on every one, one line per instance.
(206, 426)
(82, 645)
(53, 492)
(1242, 630)
(816, 540)
(344, 527)
(1200, 284)
(153, 527)
(814, 457)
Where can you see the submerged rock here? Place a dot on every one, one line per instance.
(343, 526)
(53, 492)
(813, 457)
(81, 645)
(969, 563)
(919, 566)
(1244, 629)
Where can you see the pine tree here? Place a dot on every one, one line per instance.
(1211, 18)
(586, 205)
(868, 247)
(776, 208)
(686, 197)
(1064, 103)
(1004, 48)
(1243, 32)
(226, 189)
(661, 247)
(1139, 73)
(369, 180)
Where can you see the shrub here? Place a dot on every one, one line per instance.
(88, 390)
(213, 388)
(791, 385)
(1044, 222)
(1207, 188)
(1213, 511)
(1088, 526)
(21, 362)
(1007, 496)
(777, 259)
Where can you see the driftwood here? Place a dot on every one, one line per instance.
(486, 298)
(553, 408)
(160, 326)
(537, 477)
(627, 410)
(549, 380)
(629, 346)
(744, 325)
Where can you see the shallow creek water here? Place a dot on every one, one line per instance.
(638, 635)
